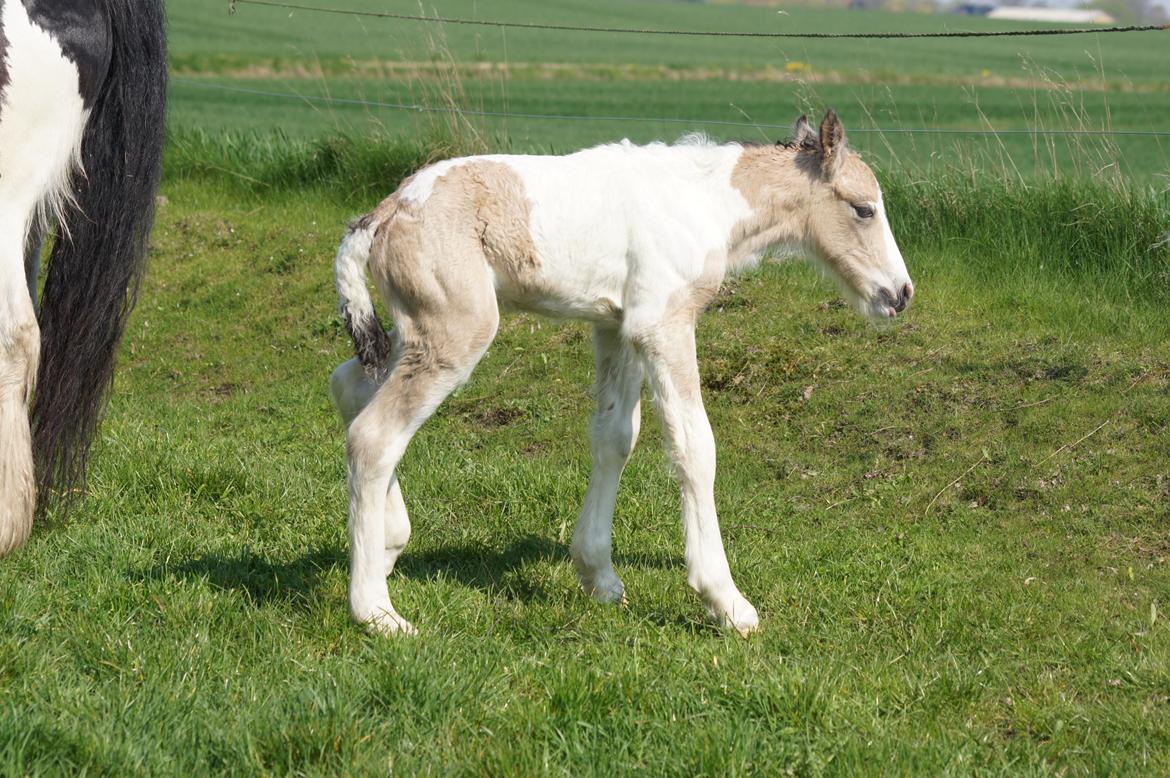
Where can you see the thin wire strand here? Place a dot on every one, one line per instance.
(706, 33)
(416, 108)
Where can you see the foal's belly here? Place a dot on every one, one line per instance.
(553, 297)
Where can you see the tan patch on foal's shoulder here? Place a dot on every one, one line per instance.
(752, 175)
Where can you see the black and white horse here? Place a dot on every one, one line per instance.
(82, 93)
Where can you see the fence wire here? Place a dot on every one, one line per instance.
(701, 33)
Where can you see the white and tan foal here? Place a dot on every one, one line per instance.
(636, 240)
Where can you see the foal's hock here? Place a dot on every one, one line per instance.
(635, 240)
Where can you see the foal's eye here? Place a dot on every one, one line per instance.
(863, 210)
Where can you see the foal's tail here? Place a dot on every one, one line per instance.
(370, 341)
(98, 258)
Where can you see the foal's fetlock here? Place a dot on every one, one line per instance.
(596, 575)
(383, 620)
(602, 585)
(375, 613)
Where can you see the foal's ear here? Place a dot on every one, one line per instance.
(832, 142)
(803, 136)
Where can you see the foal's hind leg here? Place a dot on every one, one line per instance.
(439, 351)
(351, 389)
(614, 433)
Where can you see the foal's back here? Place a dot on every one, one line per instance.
(564, 235)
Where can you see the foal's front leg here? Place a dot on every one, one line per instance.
(669, 353)
(613, 435)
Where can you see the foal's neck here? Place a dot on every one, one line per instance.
(778, 193)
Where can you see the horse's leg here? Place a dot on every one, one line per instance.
(669, 353)
(397, 525)
(613, 435)
(351, 389)
(438, 354)
(19, 351)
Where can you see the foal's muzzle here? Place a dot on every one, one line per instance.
(897, 302)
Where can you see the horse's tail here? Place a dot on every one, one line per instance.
(98, 258)
(370, 341)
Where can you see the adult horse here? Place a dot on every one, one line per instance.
(82, 92)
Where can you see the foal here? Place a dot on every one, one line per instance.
(635, 240)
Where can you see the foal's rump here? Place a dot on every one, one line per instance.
(432, 261)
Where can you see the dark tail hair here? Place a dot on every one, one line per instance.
(98, 258)
(370, 341)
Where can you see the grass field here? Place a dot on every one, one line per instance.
(955, 528)
(949, 581)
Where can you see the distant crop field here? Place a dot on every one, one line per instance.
(1076, 83)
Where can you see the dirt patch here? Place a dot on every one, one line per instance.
(221, 392)
(729, 298)
(494, 417)
(534, 449)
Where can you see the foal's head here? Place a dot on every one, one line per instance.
(847, 227)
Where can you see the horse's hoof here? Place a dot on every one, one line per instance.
(740, 615)
(388, 622)
(605, 588)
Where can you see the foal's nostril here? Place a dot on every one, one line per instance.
(899, 301)
(895, 302)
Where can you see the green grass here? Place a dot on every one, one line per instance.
(949, 581)
(863, 107)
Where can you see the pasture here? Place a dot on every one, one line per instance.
(954, 528)
(1056, 83)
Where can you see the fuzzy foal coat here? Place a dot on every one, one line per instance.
(636, 240)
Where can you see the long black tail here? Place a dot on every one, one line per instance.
(98, 258)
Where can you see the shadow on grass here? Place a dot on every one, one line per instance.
(494, 571)
(258, 579)
(295, 582)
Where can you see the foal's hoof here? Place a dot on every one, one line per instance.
(605, 588)
(740, 615)
(389, 623)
